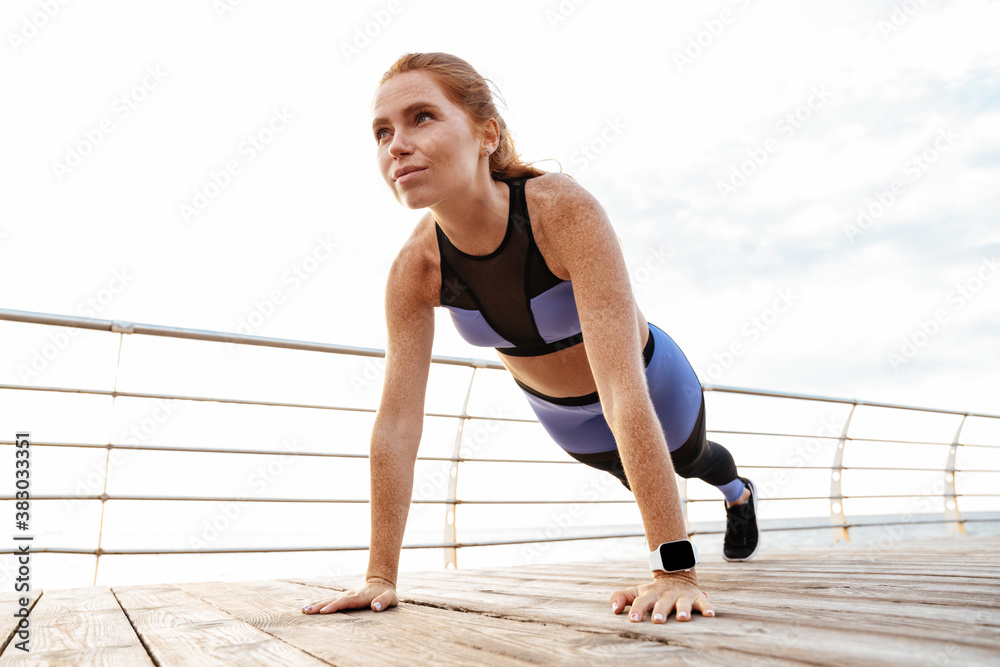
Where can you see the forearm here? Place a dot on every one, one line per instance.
(392, 462)
(649, 469)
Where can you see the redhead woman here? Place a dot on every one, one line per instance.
(528, 263)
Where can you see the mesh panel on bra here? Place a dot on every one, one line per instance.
(499, 285)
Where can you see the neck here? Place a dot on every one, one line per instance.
(475, 219)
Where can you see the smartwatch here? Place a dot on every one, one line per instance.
(677, 556)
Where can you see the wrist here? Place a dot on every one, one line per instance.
(688, 575)
(382, 580)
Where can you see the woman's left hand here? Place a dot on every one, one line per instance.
(666, 593)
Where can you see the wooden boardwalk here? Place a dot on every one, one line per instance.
(908, 603)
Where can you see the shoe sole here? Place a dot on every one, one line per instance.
(753, 497)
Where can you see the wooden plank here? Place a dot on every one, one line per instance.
(978, 552)
(942, 565)
(720, 573)
(971, 591)
(713, 582)
(423, 634)
(179, 629)
(960, 564)
(845, 616)
(10, 604)
(955, 608)
(759, 635)
(917, 603)
(79, 626)
(982, 595)
(966, 593)
(958, 629)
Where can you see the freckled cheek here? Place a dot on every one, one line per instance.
(383, 162)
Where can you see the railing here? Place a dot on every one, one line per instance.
(838, 522)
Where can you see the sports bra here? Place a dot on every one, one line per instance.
(509, 299)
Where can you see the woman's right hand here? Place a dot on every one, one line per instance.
(377, 594)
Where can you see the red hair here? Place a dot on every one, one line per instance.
(466, 88)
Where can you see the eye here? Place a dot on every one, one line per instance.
(380, 131)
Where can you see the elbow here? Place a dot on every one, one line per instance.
(396, 437)
(625, 408)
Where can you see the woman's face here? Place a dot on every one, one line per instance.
(417, 128)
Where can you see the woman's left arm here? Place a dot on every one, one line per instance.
(578, 231)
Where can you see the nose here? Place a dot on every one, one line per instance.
(400, 145)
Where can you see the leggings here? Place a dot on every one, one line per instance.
(577, 423)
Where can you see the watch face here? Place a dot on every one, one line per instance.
(677, 555)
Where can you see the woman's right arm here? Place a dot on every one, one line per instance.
(409, 311)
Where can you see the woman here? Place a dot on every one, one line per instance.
(527, 262)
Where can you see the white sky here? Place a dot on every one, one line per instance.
(884, 88)
(683, 131)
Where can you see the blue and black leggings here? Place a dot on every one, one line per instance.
(577, 423)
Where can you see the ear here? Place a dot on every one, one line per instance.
(491, 134)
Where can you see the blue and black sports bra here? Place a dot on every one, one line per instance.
(509, 299)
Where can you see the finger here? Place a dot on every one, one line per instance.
(621, 599)
(702, 604)
(661, 610)
(640, 606)
(343, 602)
(314, 607)
(384, 601)
(683, 608)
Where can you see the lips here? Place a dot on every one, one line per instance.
(406, 173)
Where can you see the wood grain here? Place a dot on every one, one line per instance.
(180, 629)
(425, 634)
(76, 626)
(931, 602)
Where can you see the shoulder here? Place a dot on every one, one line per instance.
(415, 273)
(567, 220)
(558, 195)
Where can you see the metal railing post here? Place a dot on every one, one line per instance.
(951, 511)
(451, 505)
(838, 519)
(121, 328)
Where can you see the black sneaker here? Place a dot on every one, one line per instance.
(742, 537)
